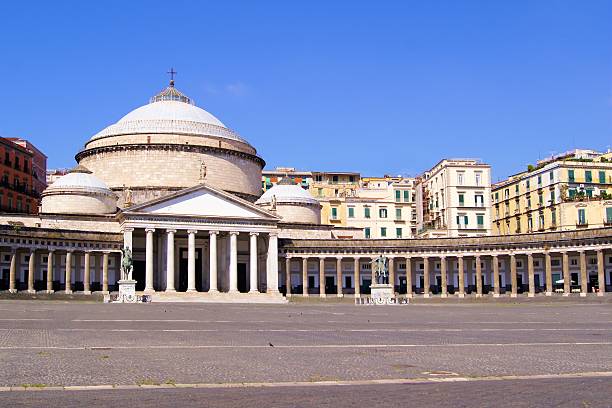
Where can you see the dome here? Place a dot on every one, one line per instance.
(287, 193)
(80, 178)
(169, 112)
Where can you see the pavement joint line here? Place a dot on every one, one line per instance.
(378, 330)
(304, 346)
(407, 381)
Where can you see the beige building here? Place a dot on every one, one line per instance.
(453, 199)
(564, 192)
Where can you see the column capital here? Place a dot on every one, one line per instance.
(127, 229)
(234, 232)
(32, 250)
(213, 232)
(149, 229)
(339, 257)
(321, 257)
(273, 234)
(581, 251)
(170, 231)
(494, 255)
(191, 231)
(254, 234)
(51, 250)
(442, 257)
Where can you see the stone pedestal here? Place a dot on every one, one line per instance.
(382, 292)
(127, 291)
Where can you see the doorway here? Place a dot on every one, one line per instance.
(183, 267)
(329, 284)
(242, 278)
(139, 274)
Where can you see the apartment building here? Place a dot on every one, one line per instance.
(565, 192)
(270, 178)
(17, 191)
(453, 199)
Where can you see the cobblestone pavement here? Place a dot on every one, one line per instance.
(50, 344)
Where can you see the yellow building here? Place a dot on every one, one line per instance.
(563, 192)
(332, 189)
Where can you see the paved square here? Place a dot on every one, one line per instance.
(302, 355)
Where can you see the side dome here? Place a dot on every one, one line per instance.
(291, 202)
(78, 192)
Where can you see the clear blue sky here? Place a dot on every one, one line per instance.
(376, 87)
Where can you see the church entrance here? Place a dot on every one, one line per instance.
(138, 274)
(242, 278)
(183, 273)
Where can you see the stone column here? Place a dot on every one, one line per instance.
(339, 276)
(304, 276)
(601, 273)
(288, 275)
(213, 262)
(408, 277)
(356, 277)
(13, 271)
(272, 264)
(461, 276)
(426, 288)
(253, 288)
(373, 272)
(149, 260)
(478, 277)
(170, 261)
(50, 266)
(87, 273)
(105, 272)
(443, 280)
(584, 288)
(531, 275)
(68, 288)
(191, 261)
(392, 273)
(233, 267)
(567, 277)
(548, 272)
(495, 261)
(322, 277)
(514, 290)
(31, 270)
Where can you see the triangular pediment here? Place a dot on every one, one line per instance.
(202, 201)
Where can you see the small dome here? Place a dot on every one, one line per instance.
(287, 193)
(80, 179)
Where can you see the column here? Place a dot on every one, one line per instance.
(50, 266)
(495, 261)
(170, 261)
(127, 237)
(392, 273)
(408, 277)
(304, 276)
(191, 272)
(339, 276)
(531, 275)
(356, 279)
(213, 262)
(322, 277)
(12, 271)
(288, 276)
(233, 267)
(87, 273)
(272, 264)
(425, 277)
(68, 288)
(567, 278)
(31, 270)
(253, 288)
(443, 280)
(149, 260)
(461, 276)
(514, 290)
(478, 277)
(601, 273)
(548, 272)
(373, 274)
(105, 272)
(584, 288)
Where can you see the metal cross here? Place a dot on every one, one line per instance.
(172, 73)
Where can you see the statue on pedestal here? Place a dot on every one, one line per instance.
(381, 270)
(126, 263)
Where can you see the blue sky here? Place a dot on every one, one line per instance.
(376, 87)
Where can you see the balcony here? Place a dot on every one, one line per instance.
(19, 188)
(582, 224)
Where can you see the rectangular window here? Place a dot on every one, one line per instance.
(572, 192)
(551, 176)
(529, 224)
(366, 212)
(581, 216)
(383, 232)
(602, 177)
(480, 221)
(398, 195)
(608, 214)
(527, 184)
(351, 212)
(552, 197)
(516, 188)
(462, 199)
(539, 179)
(588, 176)
(478, 178)
(553, 217)
(589, 192)
(398, 232)
(541, 199)
(382, 213)
(570, 176)
(506, 194)
(528, 201)
(541, 221)
(366, 232)
(335, 179)
(459, 178)
(398, 213)
(406, 196)
(334, 213)
(479, 199)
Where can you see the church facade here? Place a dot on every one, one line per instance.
(171, 182)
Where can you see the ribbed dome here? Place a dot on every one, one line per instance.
(169, 112)
(287, 193)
